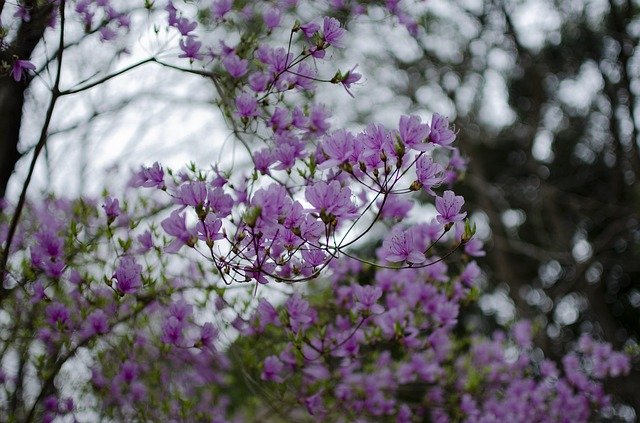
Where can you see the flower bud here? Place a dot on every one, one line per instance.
(469, 230)
(251, 216)
(415, 186)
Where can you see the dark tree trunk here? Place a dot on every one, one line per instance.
(11, 102)
(12, 93)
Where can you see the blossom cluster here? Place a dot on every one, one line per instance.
(387, 350)
(182, 295)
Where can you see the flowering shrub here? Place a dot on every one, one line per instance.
(189, 296)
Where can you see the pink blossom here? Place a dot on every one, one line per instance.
(331, 199)
(246, 105)
(19, 69)
(236, 66)
(429, 173)
(448, 207)
(128, 275)
(414, 133)
(440, 132)
(332, 33)
(402, 246)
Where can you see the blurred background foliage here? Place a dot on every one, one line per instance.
(545, 97)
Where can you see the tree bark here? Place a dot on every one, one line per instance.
(12, 93)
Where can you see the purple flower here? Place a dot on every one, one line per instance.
(314, 404)
(420, 368)
(440, 132)
(305, 75)
(181, 310)
(185, 26)
(19, 69)
(146, 241)
(97, 323)
(38, 292)
(449, 206)
(429, 173)
(330, 199)
(149, 177)
(457, 162)
(298, 118)
(317, 119)
(258, 81)
(124, 21)
(338, 146)
(107, 33)
(272, 18)
(473, 248)
(437, 270)
(350, 78)
(273, 202)
(300, 313)
(138, 391)
(309, 29)
(264, 53)
(221, 7)
(111, 208)
(170, 8)
(236, 66)
(446, 313)
(220, 203)
(311, 229)
(271, 369)
(470, 274)
(366, 299)
(67, 405)
(82, 8)
(51, 403)
(48, 253)
(266, 314)
(128, 372)
(376, 140)
(548, 369)
(395, 207)
(208, 334)
(332, 33)
(276, 60)
(315, 372)
(128, 275)
(280, 119)
(57, 315)
(402, 246)
(619, 364)
(314, 257)
(209, 229)
(175, 225)
(247, 105)
(193, 194)
(22, 13)
(287, 155)
(522, 333)
(259, 271)
(190, 48)
(172, 331)
(414, 133)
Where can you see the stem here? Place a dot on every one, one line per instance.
(104, 79)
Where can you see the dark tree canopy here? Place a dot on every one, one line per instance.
(557, 176)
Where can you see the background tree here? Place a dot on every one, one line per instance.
(546, 98)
